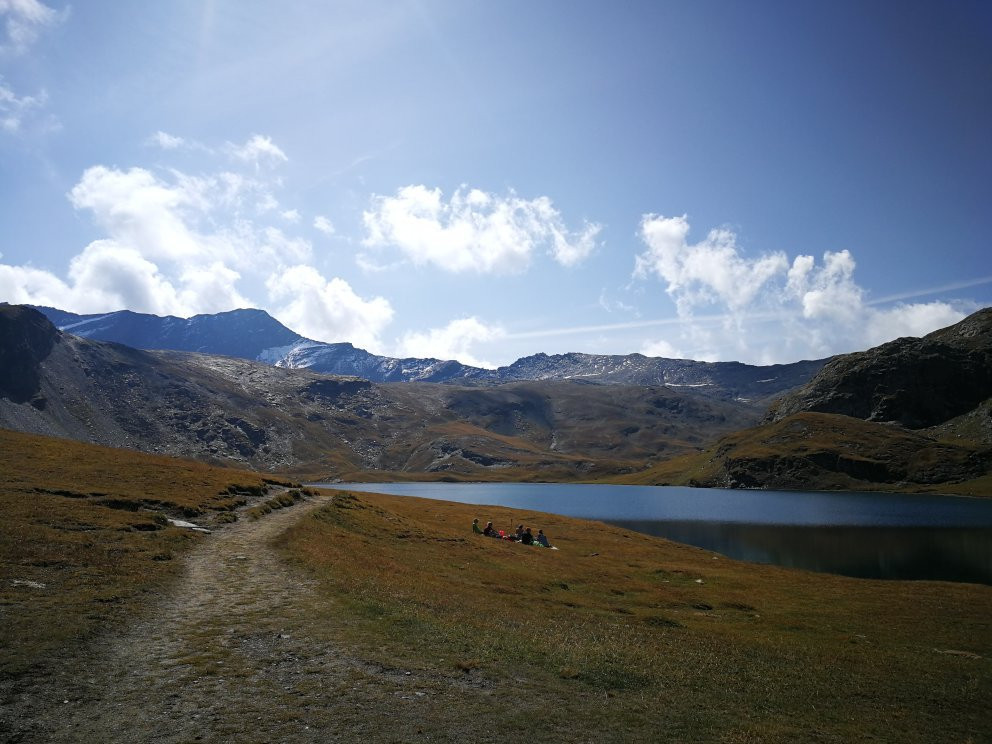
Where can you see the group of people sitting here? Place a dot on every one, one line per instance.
(521, 535)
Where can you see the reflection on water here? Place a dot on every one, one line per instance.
(944, 554)
(876, 535)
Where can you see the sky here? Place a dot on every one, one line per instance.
(715, 180)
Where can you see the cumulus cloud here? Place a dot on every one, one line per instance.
(108, 276)
(23, 21)
(474, 231)
(172, 243)
(184, 219)
(327, 310)
(661, 348)
(259, 149)
(709, 272)
(323, 224)
(766, 309)
(453, 341)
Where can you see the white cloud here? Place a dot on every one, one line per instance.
(661, 348)
(258, 149)
(473, 231)
(709, 272)
(611, 305)
(327, 310)
(453, 341)
(166, 141)
(290, 215)
(24, 21)
(16, 110)
(211, 289)
(323, 224)
(108, 276)
(917, 319)
(769, 310)
(139, 210)
(571, 250)
(187, 219)
(28, 285)
(172, 243)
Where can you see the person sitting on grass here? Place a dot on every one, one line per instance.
(527, 538)
(519, 534)
(542, 539)
(489, 531)
(475, 527)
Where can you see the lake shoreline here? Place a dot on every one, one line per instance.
(858, 534)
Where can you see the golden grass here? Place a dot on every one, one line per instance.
(84, 532)
(646, 639)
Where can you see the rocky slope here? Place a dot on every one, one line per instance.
(916, 382)
(912, 414)
(824, 451)
(233, 410)
(253, 334)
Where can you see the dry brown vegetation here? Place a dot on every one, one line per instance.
(622, 637)
(388, 620)
(84, 533)
(820, 451)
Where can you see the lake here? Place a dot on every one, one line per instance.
(870, 535)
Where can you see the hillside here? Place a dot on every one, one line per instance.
(912, 414)
(225, 409)
(916, 382)
(254, 335)
(85, 530)
(822, 451)
(377, 618)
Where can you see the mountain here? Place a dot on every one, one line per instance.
(916, 382)
(240, 333)
(911, 414)
(253, 334)
(725, 380)
(226, 409)
(825, 451)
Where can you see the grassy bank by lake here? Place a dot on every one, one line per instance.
(619, 636)
(393, 621)
(85, 535)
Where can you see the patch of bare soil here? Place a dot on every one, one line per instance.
(243, 649)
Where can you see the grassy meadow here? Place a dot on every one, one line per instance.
(84, 535)
(640, 639)
(615, 636)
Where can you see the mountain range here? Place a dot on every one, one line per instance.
(226, 409)
(912, 414)
(255, 335)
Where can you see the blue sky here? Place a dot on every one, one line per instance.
(761, 181)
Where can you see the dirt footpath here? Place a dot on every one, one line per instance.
(240, 650)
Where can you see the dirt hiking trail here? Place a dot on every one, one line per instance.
(240, 649)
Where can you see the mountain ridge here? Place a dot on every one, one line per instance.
(219, 408)
(911, 414)
(253, 334)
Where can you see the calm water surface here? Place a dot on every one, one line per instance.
(874, 535)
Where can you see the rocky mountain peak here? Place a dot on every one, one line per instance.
(26, 338)
(916, 382)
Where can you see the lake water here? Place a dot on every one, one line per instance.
(872, 535)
